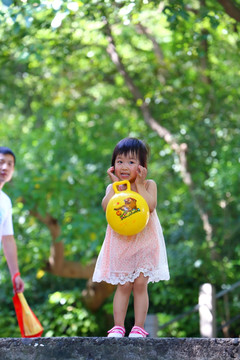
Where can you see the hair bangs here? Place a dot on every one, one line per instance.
(134, 146)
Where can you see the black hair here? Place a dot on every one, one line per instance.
(133, 145)
(6, 151)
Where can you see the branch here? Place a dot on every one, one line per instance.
(141, 29)
(231, 9)
(156, 48)
(50, 222)
(179, 149)
(96, 293)
(204, 58)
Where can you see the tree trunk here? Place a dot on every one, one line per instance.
(95, 293)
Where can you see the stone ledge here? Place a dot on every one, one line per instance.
(80, 348)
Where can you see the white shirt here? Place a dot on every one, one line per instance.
(6, 225)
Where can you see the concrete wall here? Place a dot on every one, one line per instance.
(119, 349)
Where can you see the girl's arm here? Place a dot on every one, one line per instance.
(109, 194)
(148, 191)
(109, 191)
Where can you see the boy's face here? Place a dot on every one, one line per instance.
(6, 168)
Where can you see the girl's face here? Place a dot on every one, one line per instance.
(126, 166)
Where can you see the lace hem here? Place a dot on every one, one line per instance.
(154, 276)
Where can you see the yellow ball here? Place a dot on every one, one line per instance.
(127, 212)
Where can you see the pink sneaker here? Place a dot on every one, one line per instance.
(117, 332)
(137, 331)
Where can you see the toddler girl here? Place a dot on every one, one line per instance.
(131, 262)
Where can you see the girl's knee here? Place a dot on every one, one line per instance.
(126, 288)
(141, 283)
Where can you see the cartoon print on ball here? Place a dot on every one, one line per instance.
(128, 209)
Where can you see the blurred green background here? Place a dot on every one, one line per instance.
(75, 78)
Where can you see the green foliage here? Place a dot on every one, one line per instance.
(64, 105)
(8, 322)
(65, 314)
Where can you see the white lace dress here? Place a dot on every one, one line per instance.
(123, 258)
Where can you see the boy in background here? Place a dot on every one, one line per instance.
(7, 163)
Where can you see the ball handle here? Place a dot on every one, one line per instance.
(123, 182)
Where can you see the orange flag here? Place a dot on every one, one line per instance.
(28, 322)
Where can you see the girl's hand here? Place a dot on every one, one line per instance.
(141, 175)
(111, 174)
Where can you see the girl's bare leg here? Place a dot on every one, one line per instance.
(120, 303)
(141, 300)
